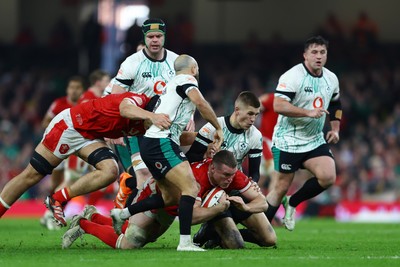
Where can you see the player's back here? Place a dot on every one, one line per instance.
(175, 103)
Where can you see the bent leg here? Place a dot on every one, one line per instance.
(260, 229)
(279, 189)
(28, 177)
(325, 175)
(229, 233)
(106, 171)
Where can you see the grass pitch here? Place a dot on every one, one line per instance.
(315, 242)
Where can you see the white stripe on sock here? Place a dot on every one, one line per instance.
(63, 193)
(4, 203)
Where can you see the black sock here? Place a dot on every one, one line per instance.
(131, 197)
(153, 202)
(131, 182)
(185, 214)
(310, 189)
(271, 211)
(248, 236)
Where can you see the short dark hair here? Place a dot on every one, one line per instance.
(77, 78)
(249, 99)
(97, 75)
(224, 157)
(319, 40)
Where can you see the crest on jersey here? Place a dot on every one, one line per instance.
(242, 146)
(63, 148)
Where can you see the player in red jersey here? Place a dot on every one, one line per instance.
(74, 91)
(80, 130)
(147, 226)
(75, 167)
(267, 124)
(99, 80)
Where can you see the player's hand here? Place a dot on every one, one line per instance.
(218, 138)
(118, 141)
(238, 202)
(161, 120)
(190, 127)
(211, 150)
(332, 137)
(224, 203)
(255, 186)
(317, 113)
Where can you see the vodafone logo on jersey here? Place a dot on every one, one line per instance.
(318, 102)
(158, 87)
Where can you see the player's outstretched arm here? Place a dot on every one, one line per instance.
(207, 113)
(129, 110)
(257, 202)
(284, 107)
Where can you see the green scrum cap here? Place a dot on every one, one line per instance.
(153, 25)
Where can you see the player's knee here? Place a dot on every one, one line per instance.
(194, 188)
(135, 237)
(101, 154)
(268, 241)
(40, 164)
(105, 161)
(232, 239)
(327, 180)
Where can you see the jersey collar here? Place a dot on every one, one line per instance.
(316, 76)
(155, 60)
(231, 128)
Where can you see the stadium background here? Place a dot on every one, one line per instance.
(240, 45)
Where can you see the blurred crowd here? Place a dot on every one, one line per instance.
(368, 155)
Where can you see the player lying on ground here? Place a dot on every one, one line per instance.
(147, 226)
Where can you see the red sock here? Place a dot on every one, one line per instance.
(61, 195)
(2, 209)
(101, 219)
(105, 220)
(103, 232)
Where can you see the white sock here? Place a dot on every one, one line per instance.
(185, 239)
(125, 214)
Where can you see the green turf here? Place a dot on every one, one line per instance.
(23, 242)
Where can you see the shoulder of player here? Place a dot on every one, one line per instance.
(61, 99)
(254, 131)
(134, 59)
(293, 75)
(295, 70)
(330, 75)
(135, 98)
(239, 180)
(171, 55)
(182, 79)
